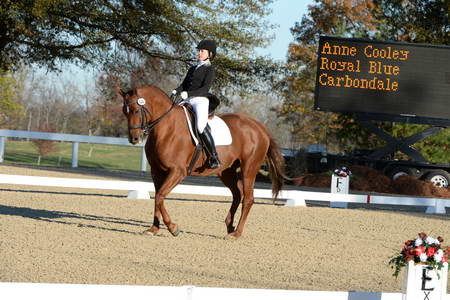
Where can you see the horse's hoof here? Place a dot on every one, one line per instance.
(232, 236)
(149, 232)
(230, 229)
(176, 232)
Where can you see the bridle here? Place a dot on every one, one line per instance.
(145, 125)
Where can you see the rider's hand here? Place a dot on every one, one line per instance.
(174, 92)
(184, 95)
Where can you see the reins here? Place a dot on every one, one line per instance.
(147, 127)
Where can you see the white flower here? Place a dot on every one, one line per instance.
(418, 242)
(440, 252)
(437, 258)
(429, 240)
(423, 257)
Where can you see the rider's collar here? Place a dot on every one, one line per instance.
(204, 62)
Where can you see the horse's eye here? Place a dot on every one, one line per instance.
(135, 111)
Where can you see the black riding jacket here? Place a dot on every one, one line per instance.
(198, 81)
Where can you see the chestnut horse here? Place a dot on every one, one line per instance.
(169, 149)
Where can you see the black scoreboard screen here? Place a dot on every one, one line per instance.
(387, 78)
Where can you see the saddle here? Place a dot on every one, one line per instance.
(199, 147)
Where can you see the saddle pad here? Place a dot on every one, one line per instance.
(219, 130)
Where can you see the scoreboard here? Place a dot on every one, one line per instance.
(376, 77)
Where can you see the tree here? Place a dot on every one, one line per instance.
(47, 32)
(326, 17)
(410, 21)
(10, 106)
(415, 21)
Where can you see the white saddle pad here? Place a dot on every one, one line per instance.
(219, 130)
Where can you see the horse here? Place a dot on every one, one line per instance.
(170, 148)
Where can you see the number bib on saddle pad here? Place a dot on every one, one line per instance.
(219, 130)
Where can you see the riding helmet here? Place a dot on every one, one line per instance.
(209, 45)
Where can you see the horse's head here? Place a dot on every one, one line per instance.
(144, 108)
(137, 113)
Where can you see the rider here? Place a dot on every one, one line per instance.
(194, 90)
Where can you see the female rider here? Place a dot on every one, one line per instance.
(194, 90)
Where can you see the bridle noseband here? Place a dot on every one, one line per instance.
(145, 125)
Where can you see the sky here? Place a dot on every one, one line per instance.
(285, 14)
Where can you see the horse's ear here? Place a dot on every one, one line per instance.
(121, 92)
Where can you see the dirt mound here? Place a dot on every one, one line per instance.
(371, 180)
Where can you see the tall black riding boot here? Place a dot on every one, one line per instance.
(207, 139)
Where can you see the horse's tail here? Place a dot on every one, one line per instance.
(275, 161)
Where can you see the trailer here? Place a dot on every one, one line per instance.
(385, 81)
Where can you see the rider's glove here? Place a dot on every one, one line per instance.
(184, 95)
(174, 92)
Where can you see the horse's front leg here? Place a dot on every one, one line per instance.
(158, 179)
(173, 178)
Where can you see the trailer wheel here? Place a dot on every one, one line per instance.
(438, 177)
(399, 171)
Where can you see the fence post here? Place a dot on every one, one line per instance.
(143, 160)
(2, 147)
(75, 154)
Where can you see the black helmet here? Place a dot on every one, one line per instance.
(209, 45)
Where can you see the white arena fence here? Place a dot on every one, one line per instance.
(75, 139)
(140, 189)
(45, 291)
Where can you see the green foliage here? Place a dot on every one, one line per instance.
(415, 21)
(435, 148)
(9, 87)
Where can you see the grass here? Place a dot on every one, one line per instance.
(89, 155)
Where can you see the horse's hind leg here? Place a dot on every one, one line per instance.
(249, 170)
(231, 179)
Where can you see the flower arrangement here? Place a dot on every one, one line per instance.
(342, 172)
(424, 249)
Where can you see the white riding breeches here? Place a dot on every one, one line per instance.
(200, 106)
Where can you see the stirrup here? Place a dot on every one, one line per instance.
(214, 163)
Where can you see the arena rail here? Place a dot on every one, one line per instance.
(140, 189)
(75, 139)
(48, 291)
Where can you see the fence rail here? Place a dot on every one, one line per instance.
(75, 139)
(140, 189)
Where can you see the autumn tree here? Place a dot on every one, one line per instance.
(325, 17)
(410, 21)
(418, 22)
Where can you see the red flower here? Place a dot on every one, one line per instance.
(431, 251)
(409, 243)
(419, 250)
